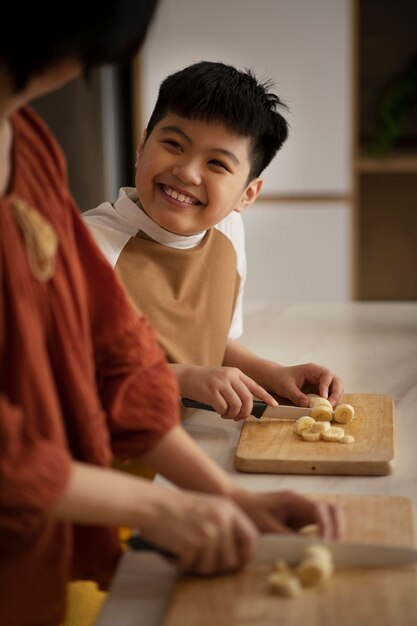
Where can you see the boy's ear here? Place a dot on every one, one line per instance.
(139, 149)
(250, 194)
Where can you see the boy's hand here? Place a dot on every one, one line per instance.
(295, 381)
(287, 512)
(229, 391)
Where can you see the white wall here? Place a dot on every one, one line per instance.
(297, 252)
(304, 46)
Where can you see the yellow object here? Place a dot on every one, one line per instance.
(315, 400)
(334, 433)
(284, 584)
(322, 413)
(320, 427)
(344, 413)
(316, 566)
(303, 423)
(308, 435)
(84, 603)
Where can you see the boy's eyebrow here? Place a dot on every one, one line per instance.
(179, 131)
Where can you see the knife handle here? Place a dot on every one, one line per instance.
(258, 408)
(194, 404)
(136, 542)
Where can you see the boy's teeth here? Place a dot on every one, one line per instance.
(178, 196)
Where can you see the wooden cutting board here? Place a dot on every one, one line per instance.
(355, 597)
(271, 446)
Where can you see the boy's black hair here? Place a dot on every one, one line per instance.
(215, 92)
(42, 33)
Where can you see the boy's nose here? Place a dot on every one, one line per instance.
(187, 172)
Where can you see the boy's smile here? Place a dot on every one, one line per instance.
(191, 174)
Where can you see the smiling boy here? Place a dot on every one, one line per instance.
(177, 240)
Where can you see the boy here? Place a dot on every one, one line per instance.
(177, 241)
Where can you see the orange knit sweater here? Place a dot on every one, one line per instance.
(81, 378)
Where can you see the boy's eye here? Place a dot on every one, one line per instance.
(219, 164)
(172, 143)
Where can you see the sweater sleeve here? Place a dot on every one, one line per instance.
(137, 389)
(34, 470)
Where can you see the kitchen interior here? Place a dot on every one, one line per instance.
(332, 274)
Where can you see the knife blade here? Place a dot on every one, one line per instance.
(259, 409)
(291, 548)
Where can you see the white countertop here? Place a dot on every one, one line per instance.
(371, 346)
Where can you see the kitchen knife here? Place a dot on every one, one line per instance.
(260, 409)
(291, 548)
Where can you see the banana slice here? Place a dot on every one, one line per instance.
(344, 413)
(284, 584)
(308, 435)
(348, 439)
(316, 566)
(320, 427)
(315, 400)
(312, 397)
(322, 413)
(334, 433)
(311, 530)
(303, 423)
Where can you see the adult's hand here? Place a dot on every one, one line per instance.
(288, 512)
(208, 534)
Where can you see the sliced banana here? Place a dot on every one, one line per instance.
(315, 400)
(311, 530)
(284, 584)
(320, 427)
(322, 402)
(348, 439)
(312, 397)
(322, 413)
(344, 413)
(316, 566)
(308, 435)
(303, 423)
(334, 433)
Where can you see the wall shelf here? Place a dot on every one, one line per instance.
(385, 189)
(396, 163)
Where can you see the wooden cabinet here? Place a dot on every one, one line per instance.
(385, 153)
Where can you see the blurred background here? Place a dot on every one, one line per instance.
(337, 219)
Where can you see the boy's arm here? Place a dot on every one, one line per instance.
(290, 382)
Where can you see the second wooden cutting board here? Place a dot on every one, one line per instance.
(352, 597)
(271, 446)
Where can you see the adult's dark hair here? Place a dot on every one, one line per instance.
(210, 91)
(40, 33)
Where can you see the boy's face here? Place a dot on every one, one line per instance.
(191, 174)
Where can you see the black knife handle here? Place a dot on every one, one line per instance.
(194, 404)
(258, 408)
(136, 542)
